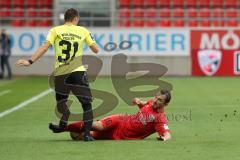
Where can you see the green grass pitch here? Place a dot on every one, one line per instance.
(205, 125)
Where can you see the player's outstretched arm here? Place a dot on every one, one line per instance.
(165, 137)
(137, 101)
(40, 51)
(94, 48)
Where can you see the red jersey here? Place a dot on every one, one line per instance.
(138, 126)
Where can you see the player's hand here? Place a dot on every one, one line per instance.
(160, 138)
(136, 101)
(23, 62)
(165, 137)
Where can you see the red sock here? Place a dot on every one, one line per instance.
(76, 127)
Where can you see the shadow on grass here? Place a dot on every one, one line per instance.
(98, 141)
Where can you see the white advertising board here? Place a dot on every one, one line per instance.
(157, 41)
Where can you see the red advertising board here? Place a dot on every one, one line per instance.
(215, 52)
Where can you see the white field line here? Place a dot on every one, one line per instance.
(25, 103)
(5, 92)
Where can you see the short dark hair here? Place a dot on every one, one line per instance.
(70, 14)
(167, 93)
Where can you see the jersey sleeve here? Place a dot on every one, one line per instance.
(51, 36)
(149, 102)
(89, 38)
(161, 129)
(161, 125)
(140, 105)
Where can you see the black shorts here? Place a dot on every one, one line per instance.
(77, 83)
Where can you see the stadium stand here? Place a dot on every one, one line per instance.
(41, 10)
(205, 23)
(138, 3)
(32, 12)
(164, 3)
(46, 3)
(178, 3)
(151, 3)
(18, 12)
(217, 12)
(165, 23)
(5, 12)
(165, 12)
(18, 3)
(178, 23)
(232, 3)
(191, 3)
(128, 13)
(4, 3)
(179, 13)
(232, 23)
(32, 3)
(124, 3)
(17, 23)
(192, 23)
(31, 23)
(45, 23)
(151, 23)
(217, 3)
(218, 23)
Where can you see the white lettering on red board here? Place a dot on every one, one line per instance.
(214, 41)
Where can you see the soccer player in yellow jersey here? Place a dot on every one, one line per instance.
(68, 40)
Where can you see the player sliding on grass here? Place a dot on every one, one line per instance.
(68, 41)
(149, 119)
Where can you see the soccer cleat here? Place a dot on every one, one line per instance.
(56, 128)
(88, 138)
(63, 124)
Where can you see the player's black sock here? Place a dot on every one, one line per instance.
(62, 124)
(87, 117)
(63, 108)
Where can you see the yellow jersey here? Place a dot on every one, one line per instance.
(68, 41)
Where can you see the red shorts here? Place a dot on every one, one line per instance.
(111, 125)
